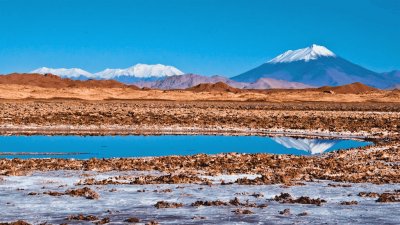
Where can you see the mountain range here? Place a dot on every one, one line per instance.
(191, 80)
(138, 72)
(164, 77)
(313, 66)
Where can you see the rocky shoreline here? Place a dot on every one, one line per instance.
(375, 118)
(378, 164)
(375, 122)
(118, 130)
(204, 189)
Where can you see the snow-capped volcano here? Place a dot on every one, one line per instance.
(316, 66)
(140, 71)
(306, 54)
(63, 72)
(313, 146)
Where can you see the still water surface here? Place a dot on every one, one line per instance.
(83, 147)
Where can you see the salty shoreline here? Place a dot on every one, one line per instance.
(376, 164)
(117, 130)
(300, 120)
(205, 189)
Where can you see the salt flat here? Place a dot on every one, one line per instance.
(120, 202)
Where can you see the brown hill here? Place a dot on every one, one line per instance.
(216, 87)
(354, 88)
(53, 81)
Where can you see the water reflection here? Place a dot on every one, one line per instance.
(312, 146)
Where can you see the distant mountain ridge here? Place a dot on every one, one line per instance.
(317, 66)
(394, 75)
(128, 75)
(73, 73)
(53, 81)
(313, 66)
(191, 80)
(140, 71)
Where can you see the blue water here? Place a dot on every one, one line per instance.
(139, 146)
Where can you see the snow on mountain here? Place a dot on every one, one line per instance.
(317, 66)
(312, 146)
(140, 71)
(63, 72)
(134, 73)
(306, 54)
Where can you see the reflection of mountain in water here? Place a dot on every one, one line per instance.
(313, 146)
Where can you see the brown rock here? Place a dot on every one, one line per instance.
(209, 203)
(164, 204)
(103, 221)
(368, 194)
(82, 217)
(389, 197)
(133, 220)
(244, 211)
(84, 192)
(285, 212)
(349, 203)
(287, 198)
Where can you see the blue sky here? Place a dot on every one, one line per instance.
(207, 37)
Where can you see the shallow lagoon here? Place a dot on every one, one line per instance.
(84, 147)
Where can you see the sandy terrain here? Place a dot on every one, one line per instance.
(13, 91)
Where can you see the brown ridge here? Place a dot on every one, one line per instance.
(354, 88)
(216, 87)
(53, 81)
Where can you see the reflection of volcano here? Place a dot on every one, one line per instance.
(313, 146)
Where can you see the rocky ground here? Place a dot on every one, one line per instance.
(55, 116)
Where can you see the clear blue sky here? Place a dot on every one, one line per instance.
(207, 37)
